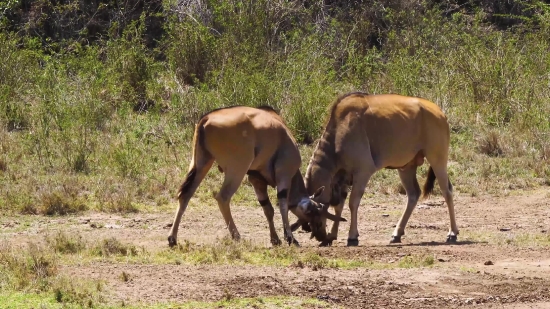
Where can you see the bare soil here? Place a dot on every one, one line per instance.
(502, 259)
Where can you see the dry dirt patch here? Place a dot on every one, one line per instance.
(502, 260)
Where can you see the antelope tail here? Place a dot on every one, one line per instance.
(198, 142)
(429, 184)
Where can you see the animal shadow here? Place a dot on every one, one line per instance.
(437, 243)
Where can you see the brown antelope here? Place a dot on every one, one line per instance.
(254, 142)
(366, 133)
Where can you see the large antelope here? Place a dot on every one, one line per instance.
(366, 133)
(254, 142)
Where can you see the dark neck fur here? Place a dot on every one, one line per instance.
(297, 190)
(323, 157)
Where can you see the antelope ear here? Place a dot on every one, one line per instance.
(318, 192)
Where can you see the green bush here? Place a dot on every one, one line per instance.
(114, 110)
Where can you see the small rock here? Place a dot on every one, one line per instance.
(488, 263)
(505, 229)
(441, 260)
(85, 221)
(543, 231)
(93, 225)
(169, 225)
(385, 215)
(112, 226)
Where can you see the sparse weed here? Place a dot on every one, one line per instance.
(511, 238)
(124, 276)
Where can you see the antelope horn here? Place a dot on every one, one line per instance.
(332, 217)
(328, 215)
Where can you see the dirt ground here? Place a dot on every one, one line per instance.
(509, 233)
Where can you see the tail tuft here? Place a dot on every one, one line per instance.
(188, 182)
(429, 184)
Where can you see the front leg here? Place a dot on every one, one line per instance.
(333, 235)
(282, 196)
(360, 182)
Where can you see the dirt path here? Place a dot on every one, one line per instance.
(509, 233)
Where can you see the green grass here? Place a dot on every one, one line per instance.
(15, 300)
(48, 301)
(416, 261)
(33, 270)
(468, 269)
(511, 238)
(73, 251)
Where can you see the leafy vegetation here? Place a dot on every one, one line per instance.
(98, 103)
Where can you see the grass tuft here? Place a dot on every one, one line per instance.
(63, 243)
(113, 247)
(61, 202)
(414, 261)
(85, 294)
(490, 144)
(30, 268)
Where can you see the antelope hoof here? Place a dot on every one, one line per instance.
(236, 236)
(353, 242)
(328, 241)
(292, 241)
(395, 240)
(276, 241)
(451, 239)
(172, 241)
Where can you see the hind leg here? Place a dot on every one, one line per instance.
(191, 183)
(233, 178)
(447, 191)
(408, 179)
(260, 187)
